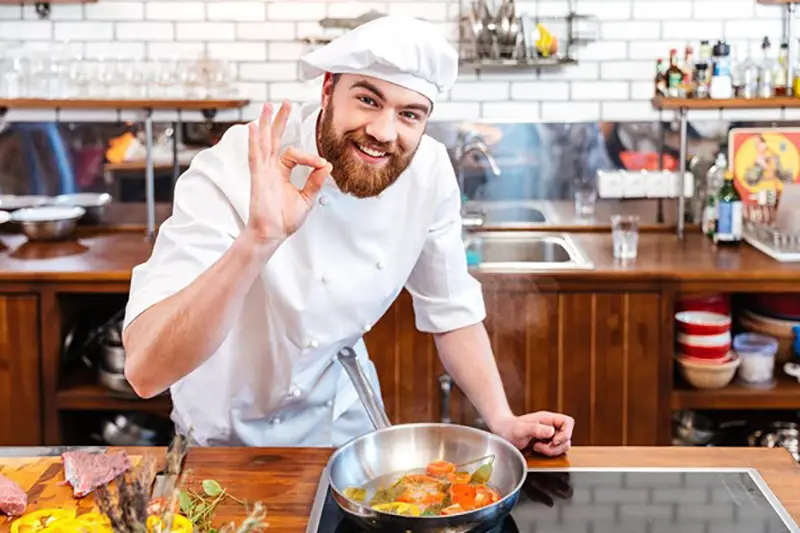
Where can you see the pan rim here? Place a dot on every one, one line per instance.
(499, 503)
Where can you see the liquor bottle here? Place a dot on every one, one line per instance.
(729, 213)
(661, 78)
(782, 71)
(688, 72)
(674, 76)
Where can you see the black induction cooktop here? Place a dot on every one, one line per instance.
(638, 500)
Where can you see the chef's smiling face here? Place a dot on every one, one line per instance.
(369, 130)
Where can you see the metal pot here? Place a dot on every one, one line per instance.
(394, 449)
(112, 357)
(780, 434)
(47, 223)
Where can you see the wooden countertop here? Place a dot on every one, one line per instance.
(285, 480)
(110, 256)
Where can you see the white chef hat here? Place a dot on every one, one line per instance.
(399, 49)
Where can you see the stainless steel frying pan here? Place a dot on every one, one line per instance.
(396, 449)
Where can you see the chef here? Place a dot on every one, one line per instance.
(292, 236)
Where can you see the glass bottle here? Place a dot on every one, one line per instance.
(729, 213)
(714, 180)
(766, 73)
(661, 79)
(782, 71)
(674, 76)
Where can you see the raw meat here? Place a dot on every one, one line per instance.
(13, 499)
(86, 471)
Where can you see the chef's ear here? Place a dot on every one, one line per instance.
(328, 84)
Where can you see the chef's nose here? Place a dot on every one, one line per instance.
(382, 128)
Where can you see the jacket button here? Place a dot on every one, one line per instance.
(275, 421)
(295, 392)
(313, 343)
(323, 201)
(324, 278)
(379, 264)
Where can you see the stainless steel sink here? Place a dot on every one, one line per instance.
(498, 215)
(515, 251)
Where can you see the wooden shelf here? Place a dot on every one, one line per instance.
(140, 165)
(731, 103)
(785, 395)
(80, 393)
(776, 2)
(184, 105)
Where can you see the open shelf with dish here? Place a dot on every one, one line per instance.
(757, 343)
(495, 35)
(784, 395)
(81, 391)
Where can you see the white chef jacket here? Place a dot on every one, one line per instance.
(275, 380)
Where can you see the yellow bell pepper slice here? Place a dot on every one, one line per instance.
(180, 524)
(81, 524)
(36, 521)
(398, 508)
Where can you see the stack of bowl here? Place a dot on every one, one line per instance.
(704, 352)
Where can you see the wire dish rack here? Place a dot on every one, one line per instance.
(494, 33)
(783, 247)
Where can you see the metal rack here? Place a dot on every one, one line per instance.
(682, 106)
(500, 37)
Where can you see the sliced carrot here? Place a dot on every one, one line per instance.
(440, 468)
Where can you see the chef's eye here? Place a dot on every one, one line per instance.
(410, 115)
(367, 100)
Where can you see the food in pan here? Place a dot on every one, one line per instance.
(441, 489)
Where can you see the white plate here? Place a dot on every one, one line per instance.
(47, 213)
(82, 199)
(5, 216)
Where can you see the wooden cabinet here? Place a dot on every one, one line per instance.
(20, 405)
(592, 355)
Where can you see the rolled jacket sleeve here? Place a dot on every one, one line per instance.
(445, 295)
(203, 225)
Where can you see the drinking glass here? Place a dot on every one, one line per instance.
(585, 198)
(625, 235)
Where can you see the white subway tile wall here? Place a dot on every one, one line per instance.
(264, 39)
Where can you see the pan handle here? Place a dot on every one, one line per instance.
(347, 357)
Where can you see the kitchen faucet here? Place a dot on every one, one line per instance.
(470, 142)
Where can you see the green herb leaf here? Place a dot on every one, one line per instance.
(211, 487)
(185, 502)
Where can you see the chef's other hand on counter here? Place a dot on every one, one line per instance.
(293, 235)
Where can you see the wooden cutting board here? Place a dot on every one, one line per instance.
(42, 478)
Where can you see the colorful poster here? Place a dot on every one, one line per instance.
(763, 160)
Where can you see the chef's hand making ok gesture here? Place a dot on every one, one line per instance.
(277, 207)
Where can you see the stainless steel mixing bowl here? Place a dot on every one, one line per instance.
(392, 450)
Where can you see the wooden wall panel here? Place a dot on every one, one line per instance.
(20, 403)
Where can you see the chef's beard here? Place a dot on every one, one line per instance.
(351, 174)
